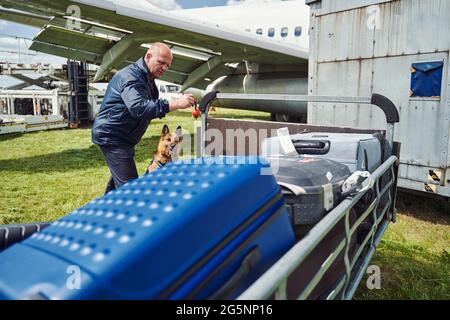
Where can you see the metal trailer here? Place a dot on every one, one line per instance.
(42, 100)
(380, 210)
(398, 48)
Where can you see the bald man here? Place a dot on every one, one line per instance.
(131, 101)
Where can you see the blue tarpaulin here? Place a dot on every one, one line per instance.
(426, 79)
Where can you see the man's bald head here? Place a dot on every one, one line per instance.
(158, 59)
(159, 48)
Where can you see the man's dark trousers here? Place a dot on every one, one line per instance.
(120, 160)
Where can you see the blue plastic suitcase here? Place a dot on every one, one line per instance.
(185, 231)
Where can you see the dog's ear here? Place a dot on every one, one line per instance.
(179, 133)
(165, 130)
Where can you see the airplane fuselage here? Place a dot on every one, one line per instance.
(285, 21)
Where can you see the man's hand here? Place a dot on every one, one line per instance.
(186, 101)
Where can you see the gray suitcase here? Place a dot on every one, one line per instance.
(362, 152)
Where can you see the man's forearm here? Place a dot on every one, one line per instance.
(173, 105)
(186, 101)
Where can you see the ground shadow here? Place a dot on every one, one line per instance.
(420, 207)
(73, 159)
(76, 159)
(12, 136)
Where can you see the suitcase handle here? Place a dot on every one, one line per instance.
(358, 182)
(311, 146)
(13, 233)
(250, 260)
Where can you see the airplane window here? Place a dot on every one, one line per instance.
(248, 30)
(162, 89)
(298, 31)
(271, 32)
(259, 31)
(284, 32)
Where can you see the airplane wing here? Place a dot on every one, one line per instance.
(113, 34)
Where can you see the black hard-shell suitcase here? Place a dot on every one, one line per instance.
(311, 187)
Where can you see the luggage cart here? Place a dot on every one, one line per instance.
(380, 211)
(277, 281)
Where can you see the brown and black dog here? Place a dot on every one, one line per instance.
(168, 148)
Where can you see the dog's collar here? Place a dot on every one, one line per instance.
(159, 163)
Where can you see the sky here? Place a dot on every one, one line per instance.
(15, 50)
(16, 38)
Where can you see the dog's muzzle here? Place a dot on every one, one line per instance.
(172, 148)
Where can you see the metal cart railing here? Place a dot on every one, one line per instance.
(380, 210)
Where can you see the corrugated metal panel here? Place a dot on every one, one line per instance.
(446, 103)
(404, 27)
(412, 184)
(422, 122)
(348, 58)
(329, 6)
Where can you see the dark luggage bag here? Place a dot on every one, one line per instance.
(311, 187)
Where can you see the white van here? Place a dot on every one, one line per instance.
(168, 90)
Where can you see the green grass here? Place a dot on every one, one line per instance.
(47, 174)
(414, 255)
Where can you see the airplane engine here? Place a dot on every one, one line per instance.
(267, 83)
